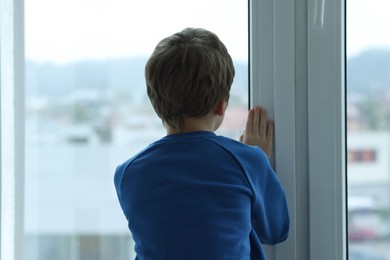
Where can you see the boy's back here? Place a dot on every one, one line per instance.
(192, 194)
(201, 196)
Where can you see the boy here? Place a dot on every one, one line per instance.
(193, 194)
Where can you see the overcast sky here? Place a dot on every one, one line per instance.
(368, 25)
(67, 30)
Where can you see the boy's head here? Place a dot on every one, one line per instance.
(187, 75)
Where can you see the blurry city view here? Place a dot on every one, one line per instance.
(100, 102)
(368, 126)
(368, 129)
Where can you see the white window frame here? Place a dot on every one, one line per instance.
(11, 129)
(297, 73)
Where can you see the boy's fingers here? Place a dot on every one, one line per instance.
(242, 137)
(256, 120)
(249, 122)
(270, 131)
(263, 123)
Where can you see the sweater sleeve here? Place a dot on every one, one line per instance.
(269, 212)
(270, 218)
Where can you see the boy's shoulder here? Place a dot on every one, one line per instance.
(121, 168)
(241, 150)
(231, 143)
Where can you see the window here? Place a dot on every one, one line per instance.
(87, 111)
(368, 110)
(296, 71)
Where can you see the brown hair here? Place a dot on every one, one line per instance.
(187, 75)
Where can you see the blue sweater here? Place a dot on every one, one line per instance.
(201, 196)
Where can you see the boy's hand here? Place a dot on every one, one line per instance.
(259, 131)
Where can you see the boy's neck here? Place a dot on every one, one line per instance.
(208, 123)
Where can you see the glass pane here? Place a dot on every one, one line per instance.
(368, 123)
(87, 111)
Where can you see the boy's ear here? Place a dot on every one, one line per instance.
(220, 108)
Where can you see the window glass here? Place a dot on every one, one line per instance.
(87, 111)
(368, 126)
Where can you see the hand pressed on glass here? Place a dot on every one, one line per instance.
(259, 131)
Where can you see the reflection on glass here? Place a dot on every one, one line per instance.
(368, 123)
(87, 111)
